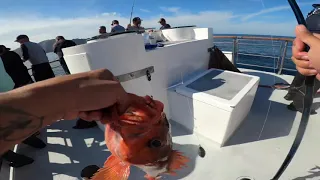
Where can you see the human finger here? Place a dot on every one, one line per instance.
(302, 63)
(297, 47)
(305, 36)
(307, 72)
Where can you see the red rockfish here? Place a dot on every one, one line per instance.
(141, 137)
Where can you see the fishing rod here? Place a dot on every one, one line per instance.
(132, 11)
(307, 101)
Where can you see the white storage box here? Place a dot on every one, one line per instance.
(213, 103)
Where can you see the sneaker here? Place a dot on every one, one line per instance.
(291, 107)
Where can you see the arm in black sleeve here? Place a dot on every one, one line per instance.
(73, 43)
(25, 53)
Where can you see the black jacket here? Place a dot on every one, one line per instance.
(58, 47)
(16, 69)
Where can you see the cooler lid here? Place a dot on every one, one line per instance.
(220, 88)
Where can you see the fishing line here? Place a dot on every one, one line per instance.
(201, 150)
(134, 1)
(274, 82)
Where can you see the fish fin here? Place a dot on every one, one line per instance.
(172, 173)
(148, 177)
(113, 169)
(177, 161)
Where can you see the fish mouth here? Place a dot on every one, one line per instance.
(160, 161)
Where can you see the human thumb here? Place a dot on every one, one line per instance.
(306, 36)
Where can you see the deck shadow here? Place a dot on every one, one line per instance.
(267, 119)
(313, 174)
(66, 154)
(68, 151)
(188, 150)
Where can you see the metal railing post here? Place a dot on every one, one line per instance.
(280, 54)
(284, 54)
(235, 50)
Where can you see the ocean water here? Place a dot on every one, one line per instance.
(257, 47)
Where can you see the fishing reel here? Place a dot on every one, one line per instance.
(316, 8)
(313, 19)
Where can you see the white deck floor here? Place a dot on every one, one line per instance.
(70, 150)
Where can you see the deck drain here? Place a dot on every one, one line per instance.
(245, 178)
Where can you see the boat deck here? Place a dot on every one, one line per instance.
(246, 153)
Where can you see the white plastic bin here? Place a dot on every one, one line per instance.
(213, 103)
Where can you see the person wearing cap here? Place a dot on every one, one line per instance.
(115, 27)
(15, 67)
(136, 25)
(297, 86)
(164, 24)
(33, 52)
(61, 43)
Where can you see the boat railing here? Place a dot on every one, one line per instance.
(236, 41)
(281, 67)
(53, 67)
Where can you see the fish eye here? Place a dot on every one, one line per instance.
(155, 143)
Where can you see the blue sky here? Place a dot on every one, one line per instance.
(74, 8)
(44, 19)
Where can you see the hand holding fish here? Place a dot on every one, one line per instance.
(140, 137)
(86, 95)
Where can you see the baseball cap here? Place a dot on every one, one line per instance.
(161, 19)
(115, 22)
(22, 36)
(136, 19)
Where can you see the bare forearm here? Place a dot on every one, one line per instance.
(17, 123)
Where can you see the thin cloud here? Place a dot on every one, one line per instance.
(270, 10)
(170, 9)
(265, 11)
(145, 10)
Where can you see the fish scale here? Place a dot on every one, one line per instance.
(151, 151)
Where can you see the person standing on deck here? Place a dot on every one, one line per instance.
(15, 67)
(164, 24)
(136, 25)
(61, 43)
(33, 52)
(116, 27)
(7, 84)
(297, 87)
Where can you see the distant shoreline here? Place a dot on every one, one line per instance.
(260, 35)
